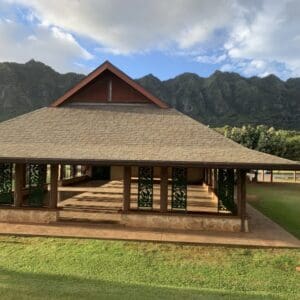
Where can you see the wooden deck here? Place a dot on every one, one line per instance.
(107, 197)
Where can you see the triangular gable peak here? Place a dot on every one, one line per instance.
(108, 84)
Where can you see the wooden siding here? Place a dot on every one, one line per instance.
(108, 67)
(97, 91)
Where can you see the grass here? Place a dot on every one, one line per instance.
(57, 268)
(280, 202)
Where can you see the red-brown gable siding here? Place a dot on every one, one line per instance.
(97, 91)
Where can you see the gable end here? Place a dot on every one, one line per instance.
(107, 84)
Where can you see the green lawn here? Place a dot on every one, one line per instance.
(279, 201)
(57, 268)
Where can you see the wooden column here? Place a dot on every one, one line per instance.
(207, 176)
(62, 172)
(263, 175)
(19, 184)
(163, 189)
(24, 171)
(241, 196)
(215, 179)
(238, 191)
(74, 170)
(126, 188)
(210, 177)
(53, 186)
(271, 176)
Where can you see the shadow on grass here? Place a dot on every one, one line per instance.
(23, 286)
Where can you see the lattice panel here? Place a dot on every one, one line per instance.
(145, 187)
(36, 183)
(6, 183)
(179, 188)
(226, 190)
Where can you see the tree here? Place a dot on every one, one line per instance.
(282, 143)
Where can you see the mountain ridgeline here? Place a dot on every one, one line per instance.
(230, 99)
(221, 99)
(26, 87)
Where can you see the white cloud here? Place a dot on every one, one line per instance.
(211, 59)
(48, 44)
(135, 25)
(268, 36)
(32, 37)
(254, 37)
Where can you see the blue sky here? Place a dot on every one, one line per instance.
(165, 38)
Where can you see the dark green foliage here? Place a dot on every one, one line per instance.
(293, 147)
(266, 139)
(226, 190)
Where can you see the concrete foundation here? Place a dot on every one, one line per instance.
(27, 215)
(155, 220)
(182, 222)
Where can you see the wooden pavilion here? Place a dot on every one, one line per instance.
(110, 126)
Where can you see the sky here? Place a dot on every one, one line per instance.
(162, 37)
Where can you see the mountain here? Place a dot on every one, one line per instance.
(26, 87)
(230, 99)
(221, 99)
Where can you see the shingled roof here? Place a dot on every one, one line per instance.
(124, 134)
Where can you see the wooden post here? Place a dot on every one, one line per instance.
(62, 172)
(238, 191)
(208, 174)
(53, 186)
(215, 179)
(271, 176)
(24, 172)
(210, 180)
(19, 184)
(163, 189)
(241, 197)
(205, 175)
(126, 188)
(74, 170)
(263, 175)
